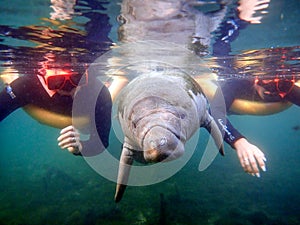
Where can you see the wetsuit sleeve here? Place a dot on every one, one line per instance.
(231, 135)
(219, 109)
(13, 96)
(7, 104)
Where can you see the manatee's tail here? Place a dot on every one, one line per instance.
(126, 161)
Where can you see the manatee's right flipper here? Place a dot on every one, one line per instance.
(126, 161)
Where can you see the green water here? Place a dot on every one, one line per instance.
(41, 184)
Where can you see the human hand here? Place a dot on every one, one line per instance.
(250, 156)
(248, 8)
(70, 139)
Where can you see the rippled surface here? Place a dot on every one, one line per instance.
(40, 184)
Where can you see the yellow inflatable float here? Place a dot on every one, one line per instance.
(207, 82)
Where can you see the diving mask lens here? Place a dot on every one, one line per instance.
(56, 82)
(76, 78)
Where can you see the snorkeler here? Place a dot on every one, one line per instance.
(58, 76)
(250, 156)
(48, 96)
(267, 89)
(270, 94)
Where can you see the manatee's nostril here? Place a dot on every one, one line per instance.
(154, 155)
(158, 143)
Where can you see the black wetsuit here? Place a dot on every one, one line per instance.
(219, 112)
(28, 90)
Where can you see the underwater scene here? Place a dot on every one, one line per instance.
(154, 112)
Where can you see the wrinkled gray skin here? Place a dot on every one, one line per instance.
(175, 21)
(158, 113)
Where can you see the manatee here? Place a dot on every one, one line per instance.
(158, 113)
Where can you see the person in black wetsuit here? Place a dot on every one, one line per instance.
(53, 90)
(53, 85)
(250, 156)
(261, 88)
(267, 89)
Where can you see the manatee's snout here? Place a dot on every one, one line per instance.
(161, 144)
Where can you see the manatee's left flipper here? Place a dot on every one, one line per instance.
(215, 132)
(216, 138)
(126, 161)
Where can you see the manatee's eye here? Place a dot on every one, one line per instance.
(163, 141)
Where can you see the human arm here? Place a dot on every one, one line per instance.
(231, 88)
(99, 130)
(14, 95)
(8, 103)
(251, 157)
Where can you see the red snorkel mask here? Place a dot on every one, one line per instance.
(56, 79)
(59, 74)
(276, 86)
